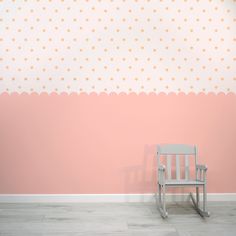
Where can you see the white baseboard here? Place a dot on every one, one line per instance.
(148, 197)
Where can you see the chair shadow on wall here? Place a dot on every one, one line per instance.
(142, 179)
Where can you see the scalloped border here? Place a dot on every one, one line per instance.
(117, 94)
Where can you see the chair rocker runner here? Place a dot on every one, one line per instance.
(172, 153)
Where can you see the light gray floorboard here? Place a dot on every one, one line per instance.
(118, 219)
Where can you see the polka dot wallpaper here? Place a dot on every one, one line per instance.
(118, 46)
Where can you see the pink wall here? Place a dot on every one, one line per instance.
(107, 143)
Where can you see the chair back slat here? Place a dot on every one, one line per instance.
(169, 158)
(175, 149)
(181, 162)
(186, 162)
(177, 169)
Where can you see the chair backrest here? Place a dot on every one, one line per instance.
(177, 151)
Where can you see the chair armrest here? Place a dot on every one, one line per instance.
(162, 168)
(161, 174)
(201, 172)
(202, 167)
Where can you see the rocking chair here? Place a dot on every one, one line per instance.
(167, 177)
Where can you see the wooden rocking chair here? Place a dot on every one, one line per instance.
(180, 178)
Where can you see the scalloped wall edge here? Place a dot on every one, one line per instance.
(119, 94)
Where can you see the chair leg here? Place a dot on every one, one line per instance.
(197, 196)
(203, 212)
(159, 193)
(204, 198)
(164, 198)
(162, 201)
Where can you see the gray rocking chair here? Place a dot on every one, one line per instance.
(170, 153)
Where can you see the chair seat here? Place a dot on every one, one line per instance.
(183, 182)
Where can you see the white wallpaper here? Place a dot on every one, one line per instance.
(118, 46)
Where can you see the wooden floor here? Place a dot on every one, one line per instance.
(118, 219)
